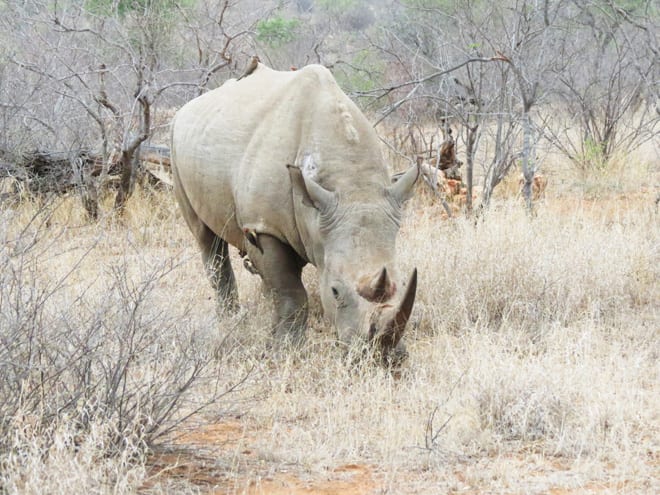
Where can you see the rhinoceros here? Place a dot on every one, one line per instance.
(286, 168)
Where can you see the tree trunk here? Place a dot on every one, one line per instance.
(90, 198)
(469, 164)
(528, 166)
(130, 154)
(129, 168)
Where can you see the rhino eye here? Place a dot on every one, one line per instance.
(335, 292)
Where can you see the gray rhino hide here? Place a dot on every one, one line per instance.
(336, 209)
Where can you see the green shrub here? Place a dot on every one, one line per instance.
(277, 31)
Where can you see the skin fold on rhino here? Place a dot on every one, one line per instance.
(284, 167)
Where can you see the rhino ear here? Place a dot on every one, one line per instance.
(313, 193)
(403, 188)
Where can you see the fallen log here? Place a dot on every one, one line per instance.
(156, 160)
(61, 171)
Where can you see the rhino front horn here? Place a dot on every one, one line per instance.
(389, 323)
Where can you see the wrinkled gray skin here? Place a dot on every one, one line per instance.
(283, 166)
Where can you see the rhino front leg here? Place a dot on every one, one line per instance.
(281, 269)
(215, 255)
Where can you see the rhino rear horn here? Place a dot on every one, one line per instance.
(313, 193)
(404, 186)
(378, 288)
(391, 323)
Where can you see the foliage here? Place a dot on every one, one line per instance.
(347, 15)
(98, 75)
(277, 31)
(597, 58)
(125, 7)
(363, 72)
(444, 5)
(593, 156)
(608, 82)
(611, 7)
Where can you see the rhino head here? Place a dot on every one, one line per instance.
(354, 242)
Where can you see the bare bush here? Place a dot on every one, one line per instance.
(93, 360)
(36, 456)
(607, 82)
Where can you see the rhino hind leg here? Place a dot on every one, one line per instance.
(215, 255)
(281, 270)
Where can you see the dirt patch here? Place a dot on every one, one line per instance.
(228, 432)
(182, 466)
(223, 458)
(594, 488)
(351, 479)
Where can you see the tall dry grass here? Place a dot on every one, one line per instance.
(532, 338)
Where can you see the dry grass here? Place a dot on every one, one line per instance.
(533, 360)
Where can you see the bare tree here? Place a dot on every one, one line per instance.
(600, 57)
(609, 83)
(452, 42)
(531, 43)
(101, 72)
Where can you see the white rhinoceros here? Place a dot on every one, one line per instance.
(283, 166)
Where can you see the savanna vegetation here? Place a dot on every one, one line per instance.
(533, 344)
